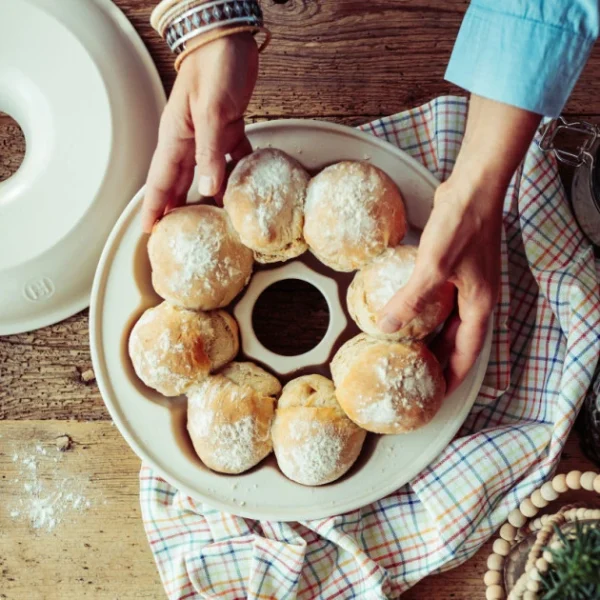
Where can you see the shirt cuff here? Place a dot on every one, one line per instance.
(522, 62)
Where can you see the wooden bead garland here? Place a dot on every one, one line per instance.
(515, 529)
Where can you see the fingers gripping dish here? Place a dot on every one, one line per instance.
(171, 347)
(387, 387)
(197, 258)
(265, 202)
(230, 415)
(377, 283)
(353, 212)
(314, 441)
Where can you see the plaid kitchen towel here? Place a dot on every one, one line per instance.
(544, 352)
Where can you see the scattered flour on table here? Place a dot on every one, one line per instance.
(45, 498)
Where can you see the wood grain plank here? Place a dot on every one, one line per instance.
(349, 56)
(101, 552)
(98, 551)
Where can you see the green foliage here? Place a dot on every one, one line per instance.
(574, 573)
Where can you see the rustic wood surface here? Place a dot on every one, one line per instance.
(100, 551)
(379, 58)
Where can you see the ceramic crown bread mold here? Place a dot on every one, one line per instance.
(139, 413)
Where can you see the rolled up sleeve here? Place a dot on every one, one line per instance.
(527, 54)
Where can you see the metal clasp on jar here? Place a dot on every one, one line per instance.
(582, 155)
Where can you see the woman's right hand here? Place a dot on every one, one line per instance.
(202, 123)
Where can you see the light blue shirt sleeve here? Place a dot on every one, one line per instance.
(527, 53)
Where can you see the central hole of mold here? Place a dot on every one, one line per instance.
(290, 317)
(12, 146)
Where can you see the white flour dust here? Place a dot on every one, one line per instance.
(44, 499)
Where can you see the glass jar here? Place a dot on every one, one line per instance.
(585, 189)
(585, 199)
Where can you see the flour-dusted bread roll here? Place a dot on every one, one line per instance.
(265, 202)
(375, 285)
(353, 212)
(230, 416)
(172, 347)
(388, 387)
(314, 441)
(197, 258)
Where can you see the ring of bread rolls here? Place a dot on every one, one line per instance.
(350, 216)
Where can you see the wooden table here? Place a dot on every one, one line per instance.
(347, 61)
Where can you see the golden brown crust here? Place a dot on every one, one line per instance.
(353, 212)
(230, 423)
(197, 258)
(265, 202)
(374, 285)
(388, 387)
(314, 442)
(171, 348)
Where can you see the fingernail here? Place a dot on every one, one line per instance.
(206, 185)
(389, 324)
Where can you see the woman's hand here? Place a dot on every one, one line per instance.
(202, 123)
(461, 241)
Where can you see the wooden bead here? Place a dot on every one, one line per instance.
(533, 586)
(501, 547)
(507, 532)
(574, 480)
(559, 483)
(587, 481)
(556, 545)
(495, 562)
(538, 500)
(529, 595)
(597, 484)
(541, 565)
(547, 555)
(544, 519)
(548, 492)
(580, 514)
(589, 513)
(534, 574)
(516, 518)
(494, 592)
(492, 578)
(527, 508)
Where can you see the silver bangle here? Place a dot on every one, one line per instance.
(204, 17)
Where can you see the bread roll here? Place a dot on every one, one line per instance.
(265, 202)
(353, 212)
(230, 415)
(375, 285)
(388, 387)
(314, 442)
(172, 347)
(197, 258)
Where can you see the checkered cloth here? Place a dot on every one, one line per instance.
(544, 352)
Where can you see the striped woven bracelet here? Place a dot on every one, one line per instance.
(179, 21)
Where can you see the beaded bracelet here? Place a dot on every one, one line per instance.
(179, 21)
(514, 531)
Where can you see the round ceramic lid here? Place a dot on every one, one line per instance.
(80, 83)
